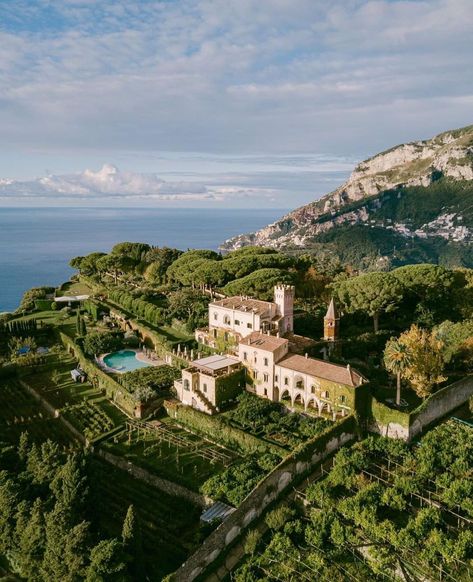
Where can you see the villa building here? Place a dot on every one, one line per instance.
(299, 381)
(234, 318)
(265, 362)
(209, 383)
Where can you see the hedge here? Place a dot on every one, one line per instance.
(216, 429)
(139, 307)
(112, 388)
(385, 415)
(43, 304)
(318, 443)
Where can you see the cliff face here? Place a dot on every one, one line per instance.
(360, 200)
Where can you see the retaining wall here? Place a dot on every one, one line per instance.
(402, 425)
(267, 491)
(163, 484)
(54, 412)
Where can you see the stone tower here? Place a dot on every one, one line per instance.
(331, 323)
(284, 299)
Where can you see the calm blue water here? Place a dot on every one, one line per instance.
(36, 244)
(124, 361)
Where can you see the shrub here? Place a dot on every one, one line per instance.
(98, 342)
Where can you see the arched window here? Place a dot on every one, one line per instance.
(186, 384)
(227, 320)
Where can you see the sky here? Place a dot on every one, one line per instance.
(219, 102)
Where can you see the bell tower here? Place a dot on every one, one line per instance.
(331, 323)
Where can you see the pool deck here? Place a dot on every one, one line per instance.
(140, 356)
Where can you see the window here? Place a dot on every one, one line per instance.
(343, 399)
(276, 378)
(286, 381)
(256, 375)
(186, 384)
(237, 322)
(226, 320)
(312, 389)
(204, 387)
(265, 377)
(265, 392)
(325, 394)
(245, 356)
(266, 361)
(215, 316)
(249, 326)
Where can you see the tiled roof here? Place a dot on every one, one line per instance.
(321, 369)
(240, 303)
(269, 343)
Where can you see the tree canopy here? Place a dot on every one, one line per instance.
(370, 293)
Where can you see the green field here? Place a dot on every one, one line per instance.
(20, 412)
(169, 524)
(74, 288)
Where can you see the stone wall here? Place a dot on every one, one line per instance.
(402, 425)
(267, 491)
(54, 412)
(440, 404)
(168, 487)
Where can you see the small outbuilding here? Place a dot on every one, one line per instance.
(78, 375)
(217, 512)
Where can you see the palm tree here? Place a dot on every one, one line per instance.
(396, 360)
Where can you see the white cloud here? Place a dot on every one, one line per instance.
(280, 76)
(110, 182)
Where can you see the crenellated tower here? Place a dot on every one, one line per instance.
(284, 299)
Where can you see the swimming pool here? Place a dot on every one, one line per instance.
(124, 361)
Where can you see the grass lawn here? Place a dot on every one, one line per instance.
(408, 395)
(65, 322)
(75, 288)
(20, 412)
(180, 464)
(169, 524)
(174, 334)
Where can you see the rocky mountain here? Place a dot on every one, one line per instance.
(414, 196)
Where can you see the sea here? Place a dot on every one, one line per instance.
(36, 244)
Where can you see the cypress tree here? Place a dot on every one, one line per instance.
(132, 543)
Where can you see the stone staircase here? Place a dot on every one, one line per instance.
(208, 406)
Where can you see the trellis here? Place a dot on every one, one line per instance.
(164, 434)
(431, 498)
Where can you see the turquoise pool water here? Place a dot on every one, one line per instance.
(124, 361)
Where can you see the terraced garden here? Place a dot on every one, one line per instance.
(82, 405)
(170, 525)
(20, 412)
(172, 453)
